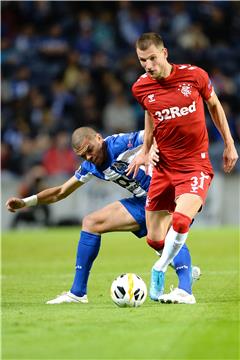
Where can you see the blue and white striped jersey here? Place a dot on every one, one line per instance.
(121, 150)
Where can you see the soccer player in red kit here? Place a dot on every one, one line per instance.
(172, 96)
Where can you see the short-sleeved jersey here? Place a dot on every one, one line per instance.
(121, 150)
(176, 106)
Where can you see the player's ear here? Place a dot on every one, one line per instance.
(165, 52)
(98, 137)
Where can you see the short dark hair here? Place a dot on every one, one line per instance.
(148, 39)
(80, 134)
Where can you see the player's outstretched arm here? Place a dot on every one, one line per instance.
(47, 196)
(143, 157)
(218, 116)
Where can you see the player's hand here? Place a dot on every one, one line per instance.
(230, 157)
(153, 155)
(14, 204)
(134, 166)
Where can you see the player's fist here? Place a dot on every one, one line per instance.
(14, 204)
(230, 157)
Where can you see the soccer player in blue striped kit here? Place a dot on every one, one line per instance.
(107, 159)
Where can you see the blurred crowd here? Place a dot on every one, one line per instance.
(67, 64)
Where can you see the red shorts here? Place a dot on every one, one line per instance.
(166, 186)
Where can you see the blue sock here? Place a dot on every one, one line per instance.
(88, 248)
(183, 268)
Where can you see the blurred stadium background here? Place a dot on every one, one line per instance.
(67, 64)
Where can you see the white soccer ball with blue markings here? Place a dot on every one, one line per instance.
(128, 290)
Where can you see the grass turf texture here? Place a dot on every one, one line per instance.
(38, 265)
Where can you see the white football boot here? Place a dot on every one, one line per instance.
(68, 297)
(196, 273)
(177, 296)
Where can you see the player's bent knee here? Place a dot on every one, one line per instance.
(90, 224)
(181, 222)
(156, 245)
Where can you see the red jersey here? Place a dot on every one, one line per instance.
(176, 106)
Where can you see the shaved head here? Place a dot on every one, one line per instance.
(80, 134)
(89, 144)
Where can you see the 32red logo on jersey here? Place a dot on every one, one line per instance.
(175, 111)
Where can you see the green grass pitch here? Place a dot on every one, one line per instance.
(39, 264)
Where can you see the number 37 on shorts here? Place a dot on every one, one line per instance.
(166, 186)
(198, 184)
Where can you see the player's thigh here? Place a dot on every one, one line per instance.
(113, 217)
(191, 191)
(188, 204)
(158, 223)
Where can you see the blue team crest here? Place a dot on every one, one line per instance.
(119, 166)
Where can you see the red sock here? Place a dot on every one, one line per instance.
(181, 222)
(156, 245)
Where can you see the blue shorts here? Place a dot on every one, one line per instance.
(136, 207)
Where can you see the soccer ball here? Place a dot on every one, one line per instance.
(128, 290)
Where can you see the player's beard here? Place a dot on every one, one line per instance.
(101, 157)
(98, 160)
